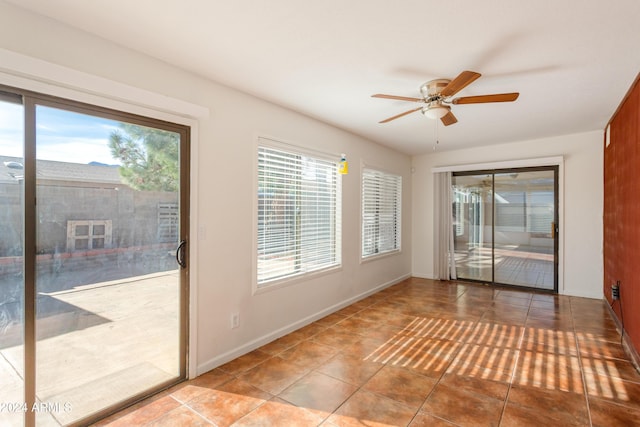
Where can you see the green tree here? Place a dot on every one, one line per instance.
(150, 157)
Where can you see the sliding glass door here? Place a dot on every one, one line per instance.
(506, 226)
(12, 282)
(101, 298)
(473, 220)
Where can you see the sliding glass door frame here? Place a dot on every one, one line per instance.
(554, 226)
(30, 100)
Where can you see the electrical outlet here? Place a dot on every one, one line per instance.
(615, 291)
(235, 320)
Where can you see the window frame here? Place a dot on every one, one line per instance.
(398, 214)
(259, 286)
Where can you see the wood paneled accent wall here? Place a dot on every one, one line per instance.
(622, 214)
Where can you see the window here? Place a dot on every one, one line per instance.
(381, 200)
(168, 222)
(460, 199)
(529, 211)
(298, 214)
(86, 235)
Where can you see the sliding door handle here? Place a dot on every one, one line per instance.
(553, 230)
(180, 259)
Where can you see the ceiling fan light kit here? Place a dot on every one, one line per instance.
(436, 95)
(436, 110)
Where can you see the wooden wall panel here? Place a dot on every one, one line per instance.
(622, 214)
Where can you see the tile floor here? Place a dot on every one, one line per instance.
(421, 353)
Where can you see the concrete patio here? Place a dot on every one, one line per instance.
(520, 266)
(113, 340)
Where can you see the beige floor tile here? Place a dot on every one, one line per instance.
(418, 353)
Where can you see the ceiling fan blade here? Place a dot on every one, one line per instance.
(464, 79)
(400, 115)
(480, 99)
(448, 119)
(399, 98)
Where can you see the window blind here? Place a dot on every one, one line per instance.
(298, 214)
(381, 201)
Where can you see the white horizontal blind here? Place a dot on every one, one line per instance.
(381, 201)
(525, 211)
(298, 214)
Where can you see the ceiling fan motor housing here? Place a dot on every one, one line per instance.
(433, 88)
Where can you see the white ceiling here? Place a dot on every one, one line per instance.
(571, 60)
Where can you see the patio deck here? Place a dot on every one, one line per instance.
(520, 266)
(114, 339)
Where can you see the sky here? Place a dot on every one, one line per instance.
(60, 135)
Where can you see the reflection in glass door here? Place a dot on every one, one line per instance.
(473, 219)
(104, 289)
(518, 209)
(11, 259)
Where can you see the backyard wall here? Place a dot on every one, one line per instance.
(133, 215)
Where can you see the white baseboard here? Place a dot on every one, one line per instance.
(627, 345)
(424, 276)
(265, 339)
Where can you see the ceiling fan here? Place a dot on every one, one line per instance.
(436, 98)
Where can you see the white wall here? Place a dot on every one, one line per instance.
(581, 205)
(223, 189)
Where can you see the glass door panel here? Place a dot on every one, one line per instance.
(525, 221)
(108, 294)
(505, 227)
(11, 260)
(473, 226)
